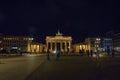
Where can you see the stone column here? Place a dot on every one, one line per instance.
(30, 48)
(51, 46)
(69, 46)
(61, 47)
(47, 46)
(55, 45)
(65, 46)
(39, 48)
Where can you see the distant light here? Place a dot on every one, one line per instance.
(54, 51)
(14, 47)
(118, 48)
(98, 39)
(94, 55)
(31, 38)
(100, 55)
(19, 48)
(1, 48)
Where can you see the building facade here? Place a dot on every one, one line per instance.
(16, 42)
(35, 47)
(93, 43)
(1, 41)
(115, 40)
(58, 42)
(101, 44)
(80, 46)
(107, 44)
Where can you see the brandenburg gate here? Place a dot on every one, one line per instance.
(58, 42)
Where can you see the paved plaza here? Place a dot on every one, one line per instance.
(78, 68)
(37, 67)
(18, 68)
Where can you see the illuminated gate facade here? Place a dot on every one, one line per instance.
(58, 42)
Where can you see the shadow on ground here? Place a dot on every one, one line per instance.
(77, 68)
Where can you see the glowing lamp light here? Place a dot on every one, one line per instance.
(1, 48)
(14, 47)
(69, 47)
(30, 38)
(55, 51)
(94, 55)
(98, 39)
(100, 55)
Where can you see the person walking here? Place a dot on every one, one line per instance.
(97, 54)
(80, 52)
(108, 51)
(91, 53)
(58, 55)
(48, 55)
(87, 53)
(113, 52)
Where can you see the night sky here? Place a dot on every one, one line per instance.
(76, 18)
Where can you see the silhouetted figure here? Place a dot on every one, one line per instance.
(87, 53)
(91, 53)
(97, 54)
(48, 55)
(80, 52)
(57, 55)
(113, 52)
(108, 51)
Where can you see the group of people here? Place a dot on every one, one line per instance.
(57, 55)
(112, 52)
(89, 53)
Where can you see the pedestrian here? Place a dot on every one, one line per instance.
(113, 52)
(91, 53)
(48, 55)
(87, 53)
(58, 55)
(80, 52)
(97, 54)
(108, 51)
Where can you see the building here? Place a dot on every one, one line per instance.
(115, 39)
(80, 46)
(35, 47)
(106, 44)
(101, 44)
(93, 43)
(1, 41)
(58, 42)
(116, 42)
(20, 43)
